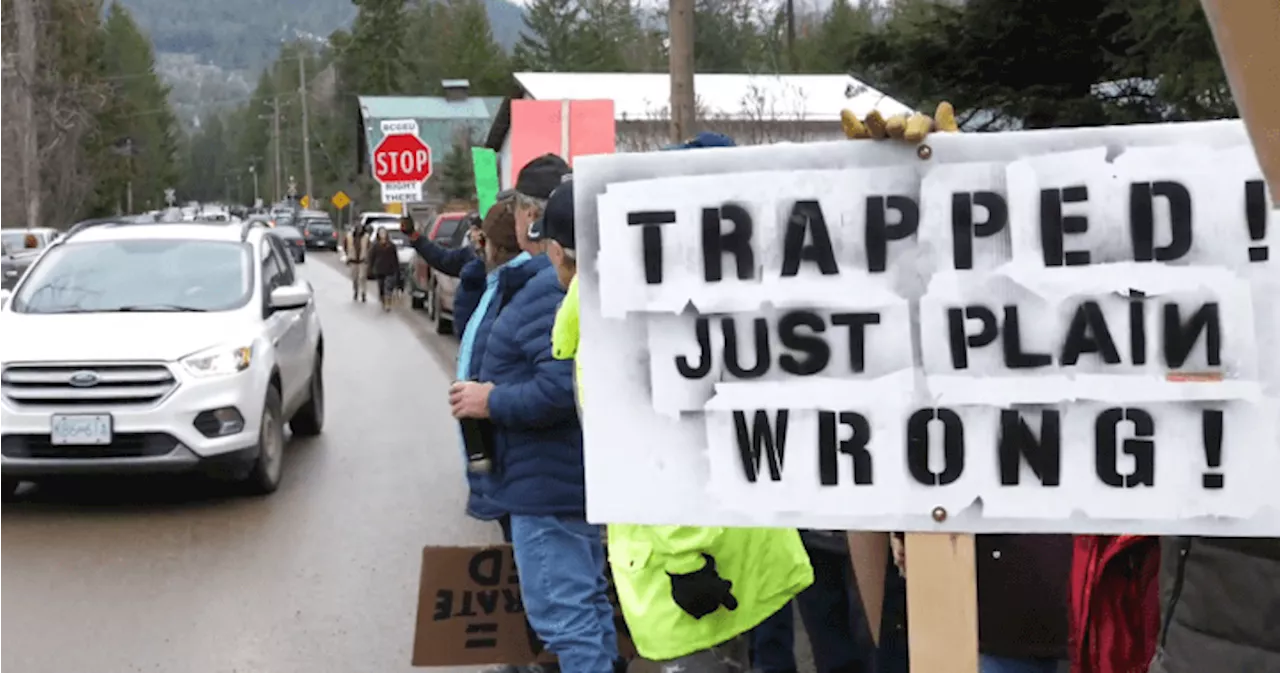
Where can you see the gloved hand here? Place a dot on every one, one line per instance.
(702, 592)
(913, 128)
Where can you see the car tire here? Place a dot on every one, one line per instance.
(443, 325)
(309, 420)
(417, 302)
(267, 468)
(302, 259)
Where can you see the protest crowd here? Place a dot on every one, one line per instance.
(725, 599)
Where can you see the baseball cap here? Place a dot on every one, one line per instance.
(541, 176)
(704, 139)
(556, 223)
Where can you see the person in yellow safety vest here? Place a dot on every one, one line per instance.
(689, 594)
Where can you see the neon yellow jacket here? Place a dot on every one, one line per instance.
(768, 566)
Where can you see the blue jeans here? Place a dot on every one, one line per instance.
(561, 564)
(988, 663)
(833, 619)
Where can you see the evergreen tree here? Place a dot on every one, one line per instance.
(469, 50)
(549, 42)
(146, 125)
(457, 182)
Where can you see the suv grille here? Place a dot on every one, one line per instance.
(87, 384)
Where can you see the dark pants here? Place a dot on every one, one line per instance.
(386, 286)
(838, 633)
(833, 619)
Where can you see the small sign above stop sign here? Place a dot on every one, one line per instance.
(401, 157)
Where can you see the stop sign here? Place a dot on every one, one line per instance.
(402, 157)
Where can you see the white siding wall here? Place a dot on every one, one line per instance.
(505, 179)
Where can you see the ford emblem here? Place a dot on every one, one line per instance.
(84, 379)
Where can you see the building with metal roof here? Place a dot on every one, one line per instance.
(753, 109)
(456, 117)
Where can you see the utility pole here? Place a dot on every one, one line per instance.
(25, 16)
(128, 159)
(275, 140)
(306, 124)
(253, 170)
(791, 34)
(680, 49)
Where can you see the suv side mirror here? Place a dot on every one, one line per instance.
(288, 297)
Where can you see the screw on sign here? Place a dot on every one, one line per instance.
(402, 157)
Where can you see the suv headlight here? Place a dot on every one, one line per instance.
(219, 361)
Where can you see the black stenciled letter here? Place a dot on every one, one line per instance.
(880, 232)
(1054, 226)
(1011, 343)
(857, 324)
(737, 241)
(814, 347)
(830, 448)
(952, 446)
(1088, 333)
(1142, 220)
(964, 230)
(486, 568)
(961, 340)
(1018, 442)
(1141, 447)
(731, 354)
(759, 439)
(444, 605)
(806, 217)
(651, 240)
(1180, 338)
(701, 330)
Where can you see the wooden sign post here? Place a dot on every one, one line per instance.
(1247, 33)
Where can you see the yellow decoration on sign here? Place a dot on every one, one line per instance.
(395, 208)
(340, 200)
(305, 201)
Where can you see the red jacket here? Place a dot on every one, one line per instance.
(1115, 603)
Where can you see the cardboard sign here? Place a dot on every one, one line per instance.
(470, 612)
(1068, 331)
(1248, 39)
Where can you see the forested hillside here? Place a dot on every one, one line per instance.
(247, 34)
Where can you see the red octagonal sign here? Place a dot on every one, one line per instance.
(402, 157)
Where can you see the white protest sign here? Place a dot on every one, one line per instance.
(1052, 331)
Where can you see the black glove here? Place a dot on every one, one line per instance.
(702, 592)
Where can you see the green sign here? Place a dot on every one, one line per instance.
(484, 163)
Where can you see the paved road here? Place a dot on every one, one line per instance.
(319, 577)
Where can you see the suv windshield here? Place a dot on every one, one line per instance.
(139, 275)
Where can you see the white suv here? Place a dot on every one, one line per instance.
(143, 347)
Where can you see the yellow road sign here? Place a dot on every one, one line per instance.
(341, 200)
(305, 201)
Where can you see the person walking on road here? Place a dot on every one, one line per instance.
(384, 264)
(356, 247)
(507, 378)
(689, 594)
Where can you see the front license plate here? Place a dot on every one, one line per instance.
(80, 429)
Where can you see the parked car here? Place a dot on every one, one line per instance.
(206, 342)
(443, 286)
(318, 231)
(16, 263)
(293, 241)
(37, 238)
(441, 231)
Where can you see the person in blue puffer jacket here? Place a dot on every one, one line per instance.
(509, 378)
